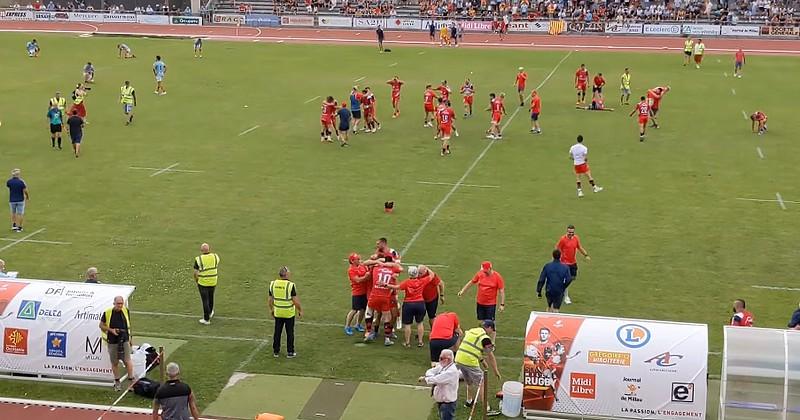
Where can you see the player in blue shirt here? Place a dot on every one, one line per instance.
(159, 71)
(88, 73)
(355, 107)
(55, 117)
(33, 48)
(198, 48)
(344, 115)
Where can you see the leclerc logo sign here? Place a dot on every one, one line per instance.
(185, 20)
(633, 335)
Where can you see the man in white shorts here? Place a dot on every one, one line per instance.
(578, 153)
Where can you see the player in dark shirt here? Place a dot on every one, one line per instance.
(75, 123)
(380, 34)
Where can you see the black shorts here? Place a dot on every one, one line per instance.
(573, 270)
(431, 307)
(76, 139)
(356, 114)
(413, 312)
(359, 303)
(437, 345)
(486, 312)
(55, 128)
(534, 116)
(597, 89)
(344, 128)
(554, 299)
(687, 53)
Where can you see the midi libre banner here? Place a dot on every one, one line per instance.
(52, 328)
(616, 368)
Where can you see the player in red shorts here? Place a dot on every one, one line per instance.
(759, 120)
(643, 110)
(358, 274)
(446, 119)
(444, 90)
(468, 92)
(396, 84)
(654, 97)
(597, 88)
(522, 77)
(498, 110)
(326, 119)
(380, 299)
(428, 98)
(581, 79)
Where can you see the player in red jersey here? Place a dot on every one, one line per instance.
(384, 253)
(326, 119)
(597, 88)
(444, 90)
(654, 97)
(536, 109)
(738, 63)
(468, 92)
(522, 77)
(741, 316)
(581, 79)
(498, 110)
(380, 299)
(446, 119)
(358, 274)
(643, 110)
(368, 105)
(396, 84)
(428, 98)
(413, 304)
(758, 121)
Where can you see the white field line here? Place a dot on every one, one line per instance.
(36, 241)
(161, 171)
(158, 169)
(793, 289)
(197, 336)
(22, 239)
(311, 100)
(392, 65)
(255, 127)
(760, 153)
(477, 160)
(744, 115)
(780, 201)
(733, 91)
(252, 354)
(359, 79)
(766, 200)
(463, 185)
(725, 73)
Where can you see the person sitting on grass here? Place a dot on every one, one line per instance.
(598, 104)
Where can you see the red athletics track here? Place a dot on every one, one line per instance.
(396, 38)
(48, 410)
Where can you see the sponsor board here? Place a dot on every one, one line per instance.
(16, 15)
(472, 26)
(85, 17)
(61, 16)
(228, 19)
(401, 23)
(262, 20)
(15, 341)
(185, 20)
(682, 392)
(152, 19)
(649, 29)
(613, 358)
(582, 385)
(740, 30)
(43, 15)
(700, 29)
(297, 20)
(335, 22)
(119, 17)
(585, 27)
(368, 22)
(56, 344)
(780, 30)
(536, 26)
(624, 28)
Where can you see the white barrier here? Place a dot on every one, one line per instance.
(669, 29)
(368, 22)
(624, 28)
(335, 22)
(86, 17)
(700, 29)
(16, 15)
(473, 25)
(297, 20)
(222, 19)
(119, 17)
(741, 30)
(185, 20)
(535, 26)
(402, 23)
(152, 19)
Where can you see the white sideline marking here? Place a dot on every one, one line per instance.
(733, 91)
(255, 127)
(22, 239)
(359, 79)
(36, 241)
(463, 185)
(161, 171)
(197, 336)
(475, 162)
(311, 100)
(744, 114)
(725, 73)
(158, 169)
(418, 264)
(252, 354)
(793, 289)
(780, 201)
(760, 153)
(767, 200)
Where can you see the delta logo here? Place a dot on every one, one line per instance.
(633, 336)
(15, 341)
(32, 309)
(56, 344)
(582, 385)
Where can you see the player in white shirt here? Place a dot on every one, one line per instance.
(125, 51)
(578, 153)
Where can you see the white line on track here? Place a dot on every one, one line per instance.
(780, 200)
(167, 169)
(252, 354)
(359, 79)
(733, 91)
(311, 100)
(255, 127)
(22, 239)
(766, 200)
(793, 289)
(744, 114)
(469, 170)
(760, 152)
(463, 185)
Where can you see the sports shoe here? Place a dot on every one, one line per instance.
(163, 93)
(276, 355)
(204, 322)
(468, 404)
(117, 385)
(492, 413)
(641, 138)
(393, 336)
(388, 342)
(567, 300)
(456, 133)
(597, 189)
(291, 355)
(348, 330)
(580, 193)
(360, 328)
(211, 315)
(490, 136)
(18, 229)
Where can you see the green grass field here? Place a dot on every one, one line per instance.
(668, 238)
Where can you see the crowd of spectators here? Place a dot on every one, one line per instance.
(79, 6)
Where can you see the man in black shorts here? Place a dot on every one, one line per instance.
(380, 34)
(344, 124)
(75, 123)
(556, 276)
(445, 334)
(54, 116)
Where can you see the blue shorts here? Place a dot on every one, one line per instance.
(127, 108)
(344, 128)
(17, 207)
(356, 114)
(534, 116)
(76, 139)
(738, 65)
(485, 312)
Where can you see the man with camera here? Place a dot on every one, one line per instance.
(116, 326)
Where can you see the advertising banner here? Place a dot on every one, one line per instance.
(51, 328)
(43, 15)
(186, 20)
(585, 27)
(536, 26)
(611, 367)
(649, 29)
(16, 15)
(740, 30)
(153, 19)
(624, 28)
(297, 20)
(222, 19)
(700, 29)
(262, 20)
(335, 22)
(792, 31)
(368, 22)
(119, 17)
(85, 17)
(403, 23)
(470, 25)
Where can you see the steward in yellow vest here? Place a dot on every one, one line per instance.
(205, 274)
(284, 306)
(688, 46)
(59, 101)
(475, 350)
(115, 324)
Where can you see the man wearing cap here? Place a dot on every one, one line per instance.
(476, 351)
(284, 306)
(174, 398)
(490, 284)
(794, 323)
(444, 378)
(17, 197)
(555, 276)
(358, 274)
(205, 275)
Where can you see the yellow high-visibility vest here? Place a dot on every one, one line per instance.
(207, 266)
(470, 352)
(126, 94)
(687, 45)
(108, 320)
(283, 305)
(61, 103)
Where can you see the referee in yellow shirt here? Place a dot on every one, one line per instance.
(127, 97)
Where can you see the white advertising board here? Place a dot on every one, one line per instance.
(615, 368)
(624, 28)
(119, 17)
(152, 19)
(368, 22)
(523, 26)
(662, 29)
(700, 29)
(16, 15)
(335, 22)
(51, 328)
(403, 23)
(741, 30)
(223, 19)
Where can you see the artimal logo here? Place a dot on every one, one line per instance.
(15, 341)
